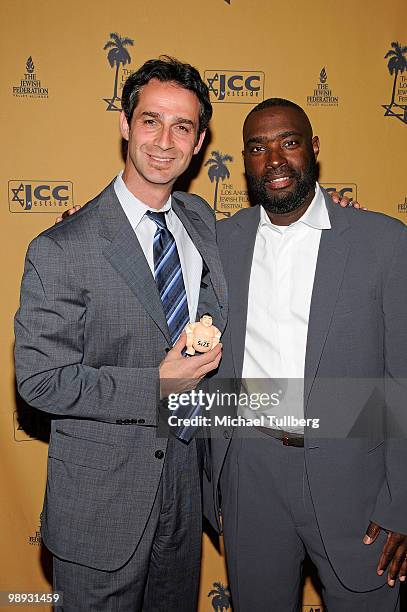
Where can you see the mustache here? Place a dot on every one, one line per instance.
(271, 175)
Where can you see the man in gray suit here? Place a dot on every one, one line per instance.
(104, 297)
(317, 313)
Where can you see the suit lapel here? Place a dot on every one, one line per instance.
(125, 254)
(332, 257)
(241, 247)
(202, 238)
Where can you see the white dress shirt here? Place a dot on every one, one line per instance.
(281, 283)
(145, 228)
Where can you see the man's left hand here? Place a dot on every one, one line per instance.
(67, 213)
(394, 553)
(344, 201)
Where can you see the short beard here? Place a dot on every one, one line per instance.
(258, 193)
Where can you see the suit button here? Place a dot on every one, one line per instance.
(226, 434)
(141, 421)
(159, 454)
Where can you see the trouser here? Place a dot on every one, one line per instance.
(269, 525)
(163, 572)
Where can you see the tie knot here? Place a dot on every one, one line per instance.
(158, 218)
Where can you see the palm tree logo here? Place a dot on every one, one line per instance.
(117, 56)
(396, 65)
(218, 171)
(220, 597)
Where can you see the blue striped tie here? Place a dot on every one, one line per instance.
(168, 276)
(170, 284)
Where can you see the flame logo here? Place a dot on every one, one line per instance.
(323, 75)
(30, 65)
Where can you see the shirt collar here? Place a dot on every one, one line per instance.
(134, 208)
(316, 215)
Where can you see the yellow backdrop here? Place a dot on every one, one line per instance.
(61, 145)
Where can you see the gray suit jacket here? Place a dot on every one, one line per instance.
(355, 379)
(90, 334)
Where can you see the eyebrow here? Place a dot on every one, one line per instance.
(176, 119)
(266, 139)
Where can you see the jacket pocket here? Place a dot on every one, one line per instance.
(80, 451)
(375, 447)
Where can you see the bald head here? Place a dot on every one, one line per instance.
(283, 103)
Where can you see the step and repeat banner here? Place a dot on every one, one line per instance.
(63, 69)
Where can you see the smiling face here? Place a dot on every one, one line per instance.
(280, 159)
(162, 138)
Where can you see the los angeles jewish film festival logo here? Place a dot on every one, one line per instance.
(35, 539)
(220, 597)
(397, 65)
(402, 206)
(228, 197)
(235, 86)
(118, 57)
(30, 85)
(30, 196)
(30, 425)
(323, 94)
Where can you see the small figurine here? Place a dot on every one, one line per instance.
(202, 336)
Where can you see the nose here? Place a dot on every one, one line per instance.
(275, 158)
(164, 138)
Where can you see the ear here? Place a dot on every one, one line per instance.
(315, 146)
(124, 126)
(198, 145)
